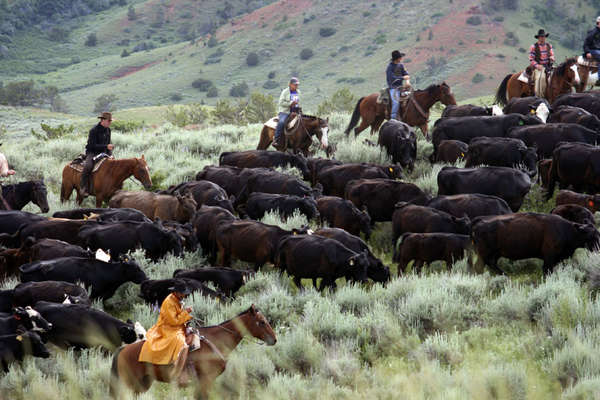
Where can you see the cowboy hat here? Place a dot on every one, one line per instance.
(396, 55)
(106, 115)
(541, 32)
(294, 81)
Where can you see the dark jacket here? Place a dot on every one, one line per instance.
(395, 74)
(592, 41)
(98, 138)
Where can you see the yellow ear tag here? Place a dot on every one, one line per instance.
(532, 111)
(391, 169)
(462, 154)
(19, 338)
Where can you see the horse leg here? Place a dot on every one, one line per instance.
(364, 124)
(425, 131)
(376, 124)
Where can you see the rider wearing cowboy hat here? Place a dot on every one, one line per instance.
(288, 102)
(397, 77)
(98, 142)
(541, 57)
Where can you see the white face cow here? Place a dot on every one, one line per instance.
(140, 332)
(496, 110)
(324, 138)
(542, 112)
(38, 323)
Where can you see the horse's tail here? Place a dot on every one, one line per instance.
(355, 117)
(114, 375)
(264, 141)
(501, 93)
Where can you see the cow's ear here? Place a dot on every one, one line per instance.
(143, 158)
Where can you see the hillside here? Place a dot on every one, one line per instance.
(169, 46)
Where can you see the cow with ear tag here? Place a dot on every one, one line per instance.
(15, 346)
(26, 318)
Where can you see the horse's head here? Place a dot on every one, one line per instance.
(569, 72)
(257, 325)
(323, 132)
(446, 95)
(142, 173)
(40, 196)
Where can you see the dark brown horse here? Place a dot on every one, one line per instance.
(300, 140)
(204, 364)
(20, 194)
(107, 180)
(415, 113)
(560, 81)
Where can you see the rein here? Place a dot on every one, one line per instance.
(242, 337)
(412, 100)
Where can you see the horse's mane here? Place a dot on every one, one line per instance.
(431, 89)
(226, 321)
(562, 68)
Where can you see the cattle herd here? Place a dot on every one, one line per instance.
(62, 266)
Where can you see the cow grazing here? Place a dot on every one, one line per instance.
(29, 293)
(15, 347)
(310, 256)
(23, 318)
(185, 232)
(509, 184)
(156, 291)
(228, 280)
(545, 138)
(591, 202)
(380, 195)
(544, 167)
(205, 223)
(11, 221)
(265, 159)
(79, 326)
(165, 207)
(575, 164)
(102, 277)
(529, 106)
(424, 248)
(575, 115)
(470, 205)
(450, 151)
(376, 271)
(59, 229)
(400, 142)
(530, 235)
(315, 165)
(502, 152)
(343, 214)
(104, 214)
(151, 237)
(334, 179)
(465, 110)
(588, 101)
(204, 193)
(574, 213)
(266, 181)
(258, 204)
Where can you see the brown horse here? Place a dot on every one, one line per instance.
(560, 81)
(302, 137)
(415, 113)
(584, 75)
(205, 364)
(107, 180)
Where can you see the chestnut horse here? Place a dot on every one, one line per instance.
(301, 139)
(588, 77)
(560, 81)
(204, 364)
(415, 114)
(107, 180)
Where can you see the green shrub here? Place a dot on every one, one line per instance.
(212, 42)
(343, 100)
(212, 92)
(189, 114)
(260, 108)
(125, 53)
(226, 113)
(272, 75)
(127, 126)
(239, 90)
(270, 84)
(106, 102)
(474, 20)
(202, 85)
(91, 40)
(53, 133)
(176, 97)
(252, 59)
(326, 32)
(478, 78)
(306, 54)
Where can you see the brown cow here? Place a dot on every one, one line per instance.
(162, 206)
(589, 201)
(341, 213)
(335, 178)
(544, 167)
(450, 151)
(206, 221)
(575, 213)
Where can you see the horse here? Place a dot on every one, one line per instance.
(414, 113)
(302, 136)
(205, 364)
(560, 81)
(107, 179)
(584, 75)
(20, 194)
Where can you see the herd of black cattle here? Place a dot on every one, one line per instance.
(475, 212)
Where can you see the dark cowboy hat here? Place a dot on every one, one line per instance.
(180, 287)
(396, 55)
(106, 115)
(541, 32)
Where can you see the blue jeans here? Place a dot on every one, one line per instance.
(595, 54)
(280, 125)
(395, 96)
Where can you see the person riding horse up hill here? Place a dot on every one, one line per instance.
(591, 45)
(98, 143)
(397, 78)
(167, 342)
(288, 103)
(541, 57)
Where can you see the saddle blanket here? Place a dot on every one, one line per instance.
(587, 63)
(384, 96)
(77, 164)
(272, 123)
(523, 77)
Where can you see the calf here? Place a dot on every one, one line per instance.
(186, 233)
(502, 152)
(156, 291)
(470, 205)
(205, 223)
(58, 229)
(11, 221)
(400, 142)
(266, 181)
(429, 247)
(465, 110)
(165, 207)
(103, 214)
(376, 271)
(104, 278)
(315, 165)
(575, 164)
(285, 205)
(265, 159)
(450, 151)
(343, 214)
(334, 179)
(574, 213)
(29, 293)
(228, 280)
(75, 325)
(15, 347)
(23, 318)
(204, 193)
(309, 256)
(589, 201)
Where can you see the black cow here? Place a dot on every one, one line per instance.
(376, 271)
(11, 221)
(228, 280)
(502, 152)
(574, 213)
(104, 278)
(58, 229)
(315, 165)
(6, 300)
(544, 167)
(29, 293)
(334, 179)
(156, 291)
(310, 256)
(380, 195)
(204, 193)
(527, 106)
(267, 181)
(104, 214)
(465, 110)
(186, 233)
(265, 159)
(400, 142)
(258, 204)
(530, 235)
(575, 164)
(15, 347)
(470, 205)
(205, 223)
(79, 326)
(226, 177)
(575, 115)
(449, 151)
(509, 184)
(123, 236)
(546, 137)
(23, 318)
(343, 214)
(588, 101)
(425, 248)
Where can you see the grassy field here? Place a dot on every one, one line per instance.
(445, 334)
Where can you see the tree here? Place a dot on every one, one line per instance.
(260, 108)
(239, 90)
(252, 59)
(131, 15)
(21, 93)
(343, 100)
(305, 54)
(91, 40)
(212, 42)
(106, 102)
(125, 53)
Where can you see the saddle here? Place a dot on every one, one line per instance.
(590, 63)
(77, 163)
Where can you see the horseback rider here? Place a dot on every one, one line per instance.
(98, 143)
(541, 58)
(397, 78)
(167, 342)
(288, 103)
(591, 45)
(5, 171)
